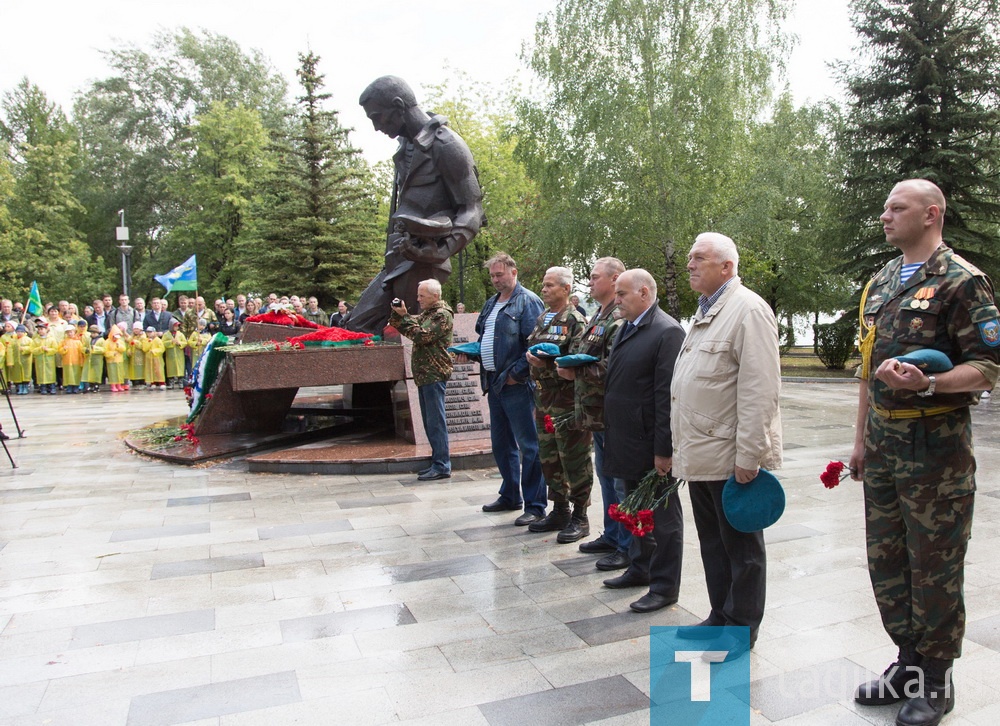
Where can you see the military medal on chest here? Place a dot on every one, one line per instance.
(921, 298)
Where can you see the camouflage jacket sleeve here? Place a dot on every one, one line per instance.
(431, 333)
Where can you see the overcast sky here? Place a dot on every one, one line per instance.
(57, 44)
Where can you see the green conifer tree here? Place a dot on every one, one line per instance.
(317, 228)
(924, 103)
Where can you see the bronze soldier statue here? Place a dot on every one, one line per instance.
(436, 206)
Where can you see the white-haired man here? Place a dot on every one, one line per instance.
(430, 332)
(725, 421)
(563, 447)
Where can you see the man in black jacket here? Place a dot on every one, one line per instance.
(637, 433)
(156, 317)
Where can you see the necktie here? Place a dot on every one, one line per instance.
(629, 327)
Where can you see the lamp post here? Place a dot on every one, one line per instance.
(121, 235)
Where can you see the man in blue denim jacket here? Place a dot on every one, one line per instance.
(504, 324)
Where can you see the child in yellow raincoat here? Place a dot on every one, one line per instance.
(114, 359)
(5, 341)
(154, 350)
(198, 341)
(174, 343)
(93, 368)
(43, 354)
(18, 360)
(73, 357)
(136, 358)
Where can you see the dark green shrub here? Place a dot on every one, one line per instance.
(834, 343)
(786, 337)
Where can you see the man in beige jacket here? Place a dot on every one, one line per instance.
(725, 422)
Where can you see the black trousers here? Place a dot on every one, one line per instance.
(659, 555)
(735, 562)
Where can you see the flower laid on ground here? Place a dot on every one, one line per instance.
(157, 438)
(834, 474)
(188, 430)
(636, 511)
(164, 436)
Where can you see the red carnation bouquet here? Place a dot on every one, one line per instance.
(282, 317)
(834, 474)
(636, 511)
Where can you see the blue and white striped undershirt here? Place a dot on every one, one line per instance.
(486, 345)
(906, 271)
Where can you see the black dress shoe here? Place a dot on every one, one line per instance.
(652, 601)
(734, 648)
(424, 471)
(629, 578)
(597, 547)
(501, 505)
(615, 561)
(434, 475)
(527, 518)
(705, 630)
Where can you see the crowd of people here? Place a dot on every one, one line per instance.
(125, 346)
(641, 396)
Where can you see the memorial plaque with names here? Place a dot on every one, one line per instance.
(465, 406)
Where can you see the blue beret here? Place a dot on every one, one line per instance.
(927, 360)
(544, 350)
(755, 505)
(469, 349)
(575, 360)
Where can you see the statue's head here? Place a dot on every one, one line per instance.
(385, 102)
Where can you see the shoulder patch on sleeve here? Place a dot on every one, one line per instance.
(987, 319)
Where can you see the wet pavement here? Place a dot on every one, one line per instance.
(137, 592)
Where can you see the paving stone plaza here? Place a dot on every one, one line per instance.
(136, 592)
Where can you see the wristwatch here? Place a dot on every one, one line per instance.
(930, 388)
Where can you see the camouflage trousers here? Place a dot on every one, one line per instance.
(566, 460)
(919, 491)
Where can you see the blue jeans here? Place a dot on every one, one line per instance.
(431, 396)
(515, 446)
(625, 537)
(614, 532)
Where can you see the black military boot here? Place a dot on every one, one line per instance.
(554, 521)
(935, 699)
(888, 688)
(577, 529)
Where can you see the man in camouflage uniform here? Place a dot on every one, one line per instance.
(589, 391)
(913, 447)
(431, 364)
(188, 318)
(563, 447)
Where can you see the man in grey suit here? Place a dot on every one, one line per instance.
(637, 433)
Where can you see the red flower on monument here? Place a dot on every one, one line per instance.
(550, 427)
(833, 474)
